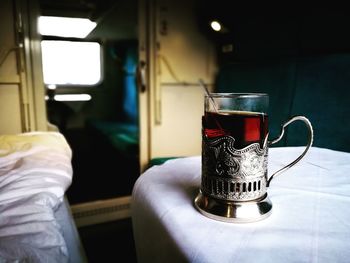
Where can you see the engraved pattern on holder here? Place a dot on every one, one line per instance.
(233, 174)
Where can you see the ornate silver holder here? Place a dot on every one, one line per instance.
(234, 211)
(234, 181)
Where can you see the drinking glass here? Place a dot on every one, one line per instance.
(235, 145)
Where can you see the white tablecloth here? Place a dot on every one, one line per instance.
(310, 220)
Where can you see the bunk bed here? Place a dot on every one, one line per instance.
(36, 224)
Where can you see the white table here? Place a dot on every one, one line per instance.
(310, 220)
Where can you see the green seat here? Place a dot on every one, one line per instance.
(316, 87)
(160, 160)
(323, 95)
(123, 137)
(275, 78)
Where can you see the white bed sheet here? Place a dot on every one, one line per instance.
(309, 221)
(35, 172)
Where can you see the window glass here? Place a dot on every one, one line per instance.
(71, 62)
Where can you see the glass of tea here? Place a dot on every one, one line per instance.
(235, 145)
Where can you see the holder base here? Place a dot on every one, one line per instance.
(233, 212)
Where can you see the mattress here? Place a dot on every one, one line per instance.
(35, 223)
(63, 215)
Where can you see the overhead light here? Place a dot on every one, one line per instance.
(215, 25)
(51, 86)
(72, 97)
(65, 26)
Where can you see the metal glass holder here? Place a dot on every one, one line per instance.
(234, 181)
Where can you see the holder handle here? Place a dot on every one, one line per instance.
(311, 137)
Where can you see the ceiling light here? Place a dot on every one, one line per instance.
(215, 25)
(73, 97)
(65, 26)
(51, 86)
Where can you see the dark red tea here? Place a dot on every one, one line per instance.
(245, 127)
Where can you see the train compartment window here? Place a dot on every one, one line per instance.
(71, 62)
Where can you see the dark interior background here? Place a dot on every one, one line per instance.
(102, 132)
(298, 53)
(270, 31)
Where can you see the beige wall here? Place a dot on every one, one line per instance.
(180, 56)
(22, 101)
(10, 107)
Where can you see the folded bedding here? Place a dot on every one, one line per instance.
(35, 172)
